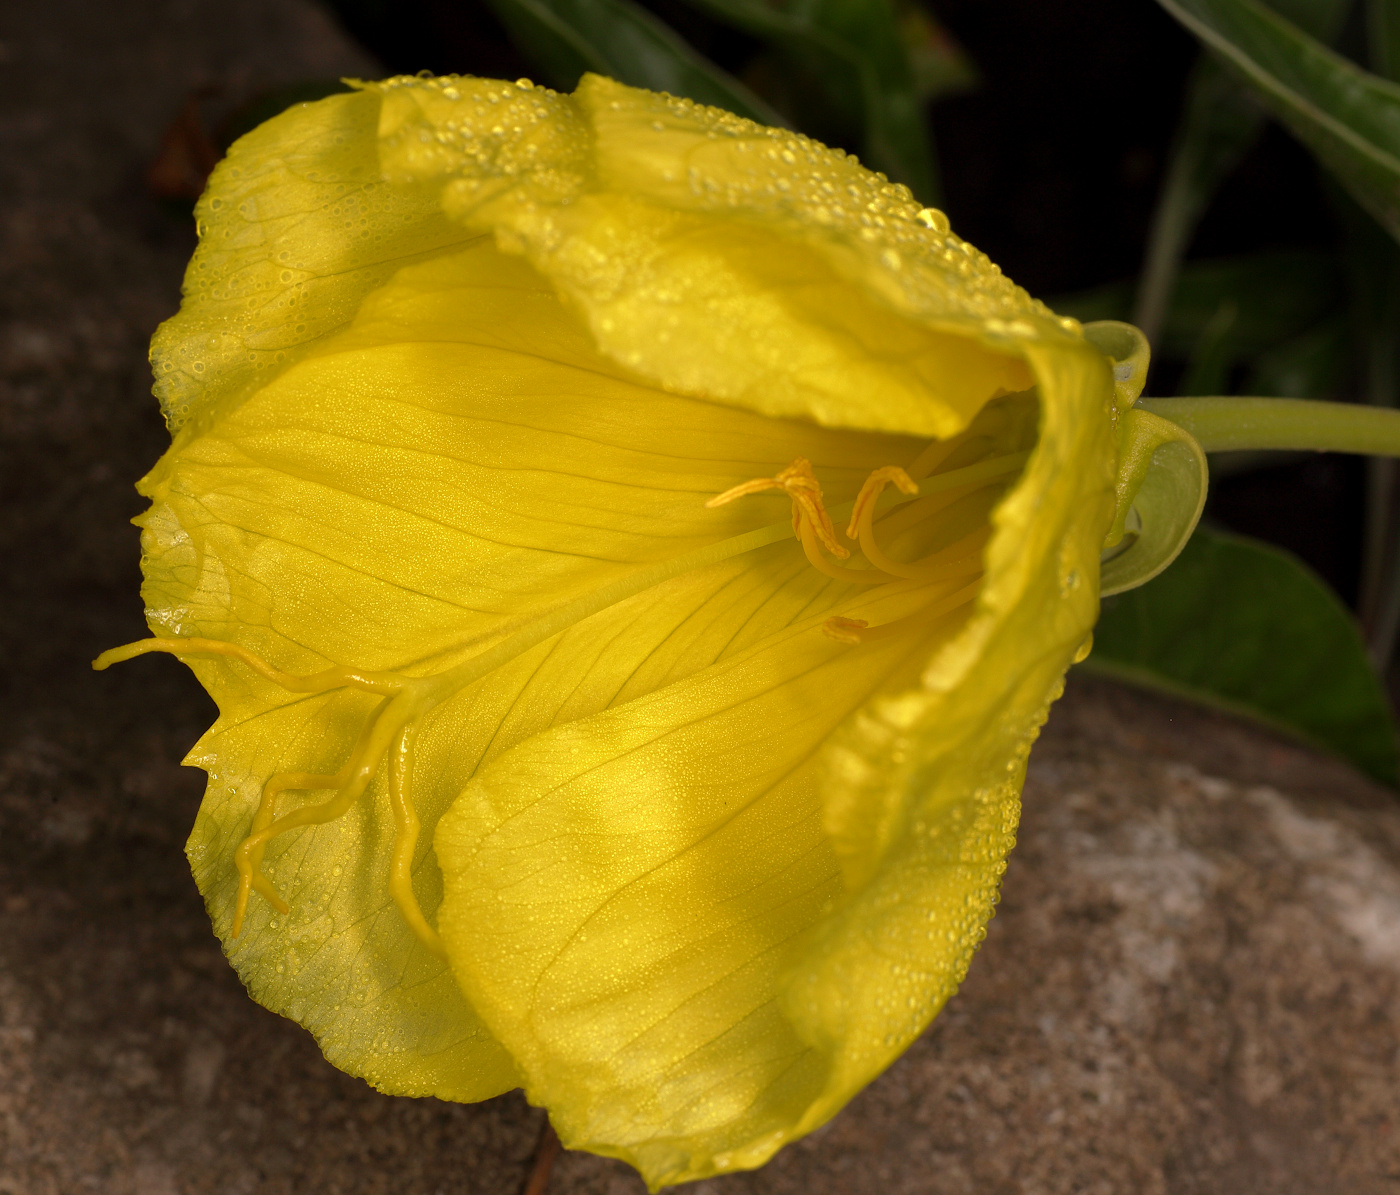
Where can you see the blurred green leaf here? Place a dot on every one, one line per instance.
(1317, 364)
(1321, 18)
(1383, 33)
(1225, 313)
(1112, 300)
(856, 51)
(1243, 626)
(1348, 118)
(938, 64)
(1278, 294)
(1373, 268)
(1220, 123)
(1213, 356)
(621, 39)
(1372, 262)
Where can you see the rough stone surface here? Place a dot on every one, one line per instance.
(1191, 985)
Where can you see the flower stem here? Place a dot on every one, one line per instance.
(1235, 424)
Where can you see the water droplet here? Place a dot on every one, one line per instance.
(931, 217)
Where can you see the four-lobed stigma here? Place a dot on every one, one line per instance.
(390, 731)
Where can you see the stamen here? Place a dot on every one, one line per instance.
(910, 514)
(932, 567)
(870, 492)
(856, 631)
(845, 630)
(860, 576)
(931, 457)
(800, 484)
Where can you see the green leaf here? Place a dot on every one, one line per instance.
(1220, 123)
(620, 39)
(856, 50)
(1383, 29)
(1316, 364)
(1239, 624)
(1348, 118)
(1279, 312)
(940, 66)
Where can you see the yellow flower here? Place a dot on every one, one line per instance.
(638, 546)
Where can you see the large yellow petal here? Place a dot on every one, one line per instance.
(625, 895)
(698, 932)
(723, 259)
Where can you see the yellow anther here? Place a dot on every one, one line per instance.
(864, 509)
(856, 631)
(844, 630)
(800, 484)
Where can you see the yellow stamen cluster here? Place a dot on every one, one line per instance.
(810, 521)
(955, 571)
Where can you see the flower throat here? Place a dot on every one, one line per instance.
(941, 582)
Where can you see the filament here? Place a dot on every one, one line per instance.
(800, 484)
(861, 576)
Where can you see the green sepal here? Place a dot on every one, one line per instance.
(1127, 348)
(1161, 491)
